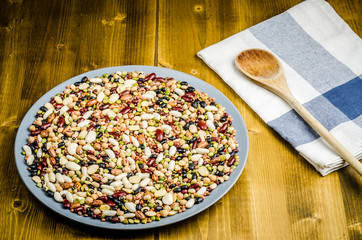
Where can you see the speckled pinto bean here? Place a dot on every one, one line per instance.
(129, 147)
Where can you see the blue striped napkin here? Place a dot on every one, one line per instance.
(322, 59)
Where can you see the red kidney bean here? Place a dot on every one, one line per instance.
(159, 79)
(61, 121)
(231, 161)
(179, 109)
(45, 126)
(39, 166)
(106, 119)
(184, 191)
(203, 125)
(214, 139)
(118, 194)
(159, 135)
(190, 94)
(146, 171)
(90, 128)
(125, 110)
(78, 209)
(151, 162)
(103, 198)
(195, 185)
(187, 98)
(58, 106)
(80, 119)
(36, 132)
(115, 135)
(124, 93)
(83, 110)
(66, 203)
(111, 204)
(113, 90)
(44, 162)
(150, 76)
(223, 128)
(70, 110)
(194, 145)
(104, 106)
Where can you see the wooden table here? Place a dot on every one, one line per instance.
(278, 196)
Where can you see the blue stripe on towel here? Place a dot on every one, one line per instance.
(347, 98)
(297, 132)
(283, 36)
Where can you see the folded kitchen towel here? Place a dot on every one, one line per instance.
(322, 59)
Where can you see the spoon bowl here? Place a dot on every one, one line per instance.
(265, 70)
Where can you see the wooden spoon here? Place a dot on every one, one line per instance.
(265, 70)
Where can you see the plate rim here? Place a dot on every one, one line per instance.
(224, 188)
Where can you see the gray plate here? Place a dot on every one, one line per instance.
(221, 190)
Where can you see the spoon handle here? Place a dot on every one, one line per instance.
(323, 132)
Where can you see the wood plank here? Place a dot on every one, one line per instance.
(43, 44)
(275, 199)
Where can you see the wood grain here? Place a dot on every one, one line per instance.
(278, 196)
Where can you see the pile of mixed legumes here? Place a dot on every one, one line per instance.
(129, 147)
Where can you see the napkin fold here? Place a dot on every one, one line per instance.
(322, 59)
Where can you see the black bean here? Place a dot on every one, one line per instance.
(61, 144)
(99, 135)
(141, 79)
(34, 172)
(221, 150)
(172, 138)
(108, 218)
(191, 166)
(77, 84)
(96, 127)
(140, 165)
(172, 185)
(44, 149)
(199, 200)
(219, 173)
(142, 146)
(84, 79)
(82, 163)
(49, 193)
(91, 162)
(183, 83)
(163, 141)
(203, 104)
(90, 186)
(177, 190)
(163, 105)
(138, 207)
(186, 126)
(190, 89)
(183, 187)
(216, 125)
(181, 150)
(194, 176)
(223, 119)
(158, 208)
(194, 104)
(178, 158)
(138, 190)
(44, 109)
(157, 91)
(102, 165)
